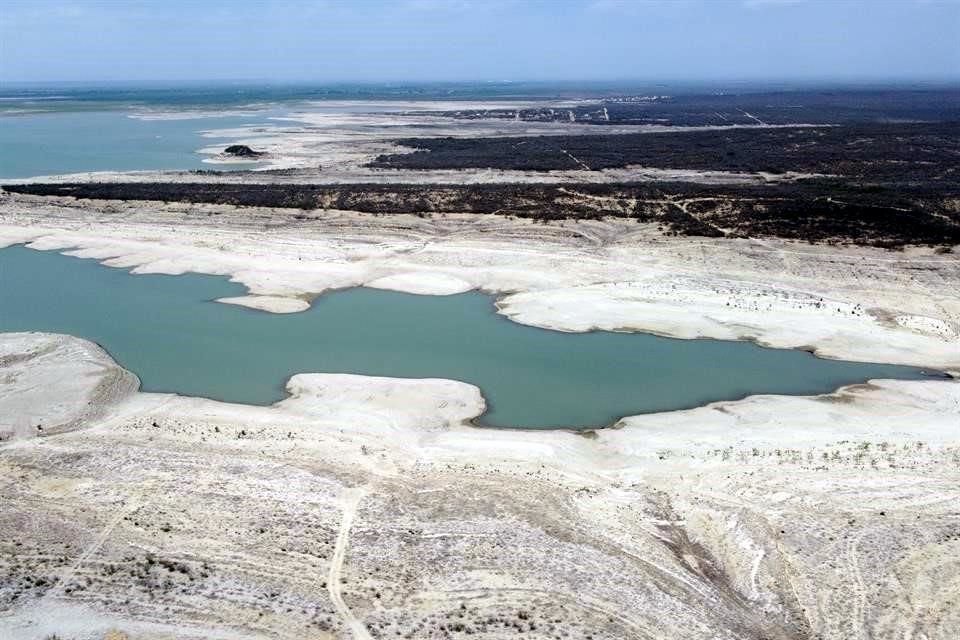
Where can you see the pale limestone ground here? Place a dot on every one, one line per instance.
(332, 142)
(771, 517)
(30, 364)
(843, 302)
(363, 507)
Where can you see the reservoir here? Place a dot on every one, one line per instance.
(58, 143)
(168, 331)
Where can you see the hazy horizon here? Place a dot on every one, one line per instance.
(447, 41)
(688, 83)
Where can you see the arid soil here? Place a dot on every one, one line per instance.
(814, 211)
(368, 508)
(341, 513)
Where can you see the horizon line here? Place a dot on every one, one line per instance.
(893, 79)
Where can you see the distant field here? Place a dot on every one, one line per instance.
(883, 152)
(824, 106)
(885, 172)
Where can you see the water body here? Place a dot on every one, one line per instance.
(80, 96)
(73, 128)
(168, 330)
(76, 127)
(73, 142)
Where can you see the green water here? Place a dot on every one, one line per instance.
(168, 331)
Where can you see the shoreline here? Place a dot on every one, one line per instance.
(609, 275)
(333, 142)
(109, 387)
(399, 177)
(164, 481)
(293, 297)
(362, 502)
(279, 305)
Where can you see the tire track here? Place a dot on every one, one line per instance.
(126, 509)
(350, 501)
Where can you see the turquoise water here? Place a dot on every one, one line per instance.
(76, 127)
(78, 96)
(73, 142)
(168, 331)
(72, 128)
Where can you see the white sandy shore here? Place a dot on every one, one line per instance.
(767, 517)
(332, 142)
(343, 143)
(249, 110)
(367, 507)
(358, 174)
(273, 304)
(848, 303)
(355, 107)
(85, 378)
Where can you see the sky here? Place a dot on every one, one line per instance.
(478, 40)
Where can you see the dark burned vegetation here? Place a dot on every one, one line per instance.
(882, 181)
(825, 210)
(878, 151)
(883, 184)
(842, 106)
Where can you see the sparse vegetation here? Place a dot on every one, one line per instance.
(826, 210)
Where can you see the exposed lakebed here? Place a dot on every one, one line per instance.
(170, 332)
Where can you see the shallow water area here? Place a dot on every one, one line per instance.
(42, 144)
(170, 332)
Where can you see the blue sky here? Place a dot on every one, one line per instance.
(418, 40)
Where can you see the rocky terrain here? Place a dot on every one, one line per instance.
(242, 151)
